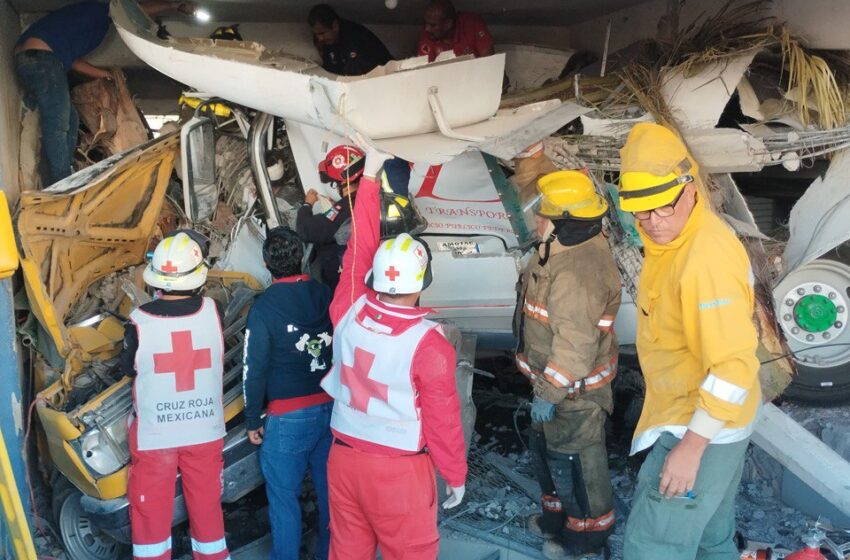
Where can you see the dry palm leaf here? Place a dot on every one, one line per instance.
(812, 85)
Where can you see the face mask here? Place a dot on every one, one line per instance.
(571, 231)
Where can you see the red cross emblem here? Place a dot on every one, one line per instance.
(392, 273)
(168, 267)
(356, 378)
(183, 362)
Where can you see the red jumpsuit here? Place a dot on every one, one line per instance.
(381, 494)
(178, 425)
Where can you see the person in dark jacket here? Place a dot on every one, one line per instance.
(343, 167)
(287, 352)
(347, 48)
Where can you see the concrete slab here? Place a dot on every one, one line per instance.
(808, 458)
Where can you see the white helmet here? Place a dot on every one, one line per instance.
(401, 266)
(177, 264)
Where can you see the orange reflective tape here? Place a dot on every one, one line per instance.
(552, 503)
(601, 523)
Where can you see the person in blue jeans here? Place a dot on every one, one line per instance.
(45, 53)
(287, 352)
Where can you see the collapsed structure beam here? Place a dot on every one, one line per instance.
(810, 459)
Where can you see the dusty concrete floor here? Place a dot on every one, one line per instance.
(498, 509)
(761, 515)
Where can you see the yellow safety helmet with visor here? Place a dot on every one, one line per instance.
(568, 193)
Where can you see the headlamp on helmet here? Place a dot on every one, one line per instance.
(398, 215)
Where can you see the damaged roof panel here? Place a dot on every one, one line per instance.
(816, 223)
(380, 106)
(420, 111)
(698, 100)
(85, 227)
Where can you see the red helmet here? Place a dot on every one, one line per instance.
(343, 165)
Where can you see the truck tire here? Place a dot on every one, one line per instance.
(812, 306)
(820, 386)
(81, 540)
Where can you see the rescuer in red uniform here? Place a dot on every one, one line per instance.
(396, 412)
(174, 348)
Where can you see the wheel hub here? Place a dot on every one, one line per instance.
(81, 539)
(815, 313)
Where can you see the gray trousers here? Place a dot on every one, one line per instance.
(682, 528)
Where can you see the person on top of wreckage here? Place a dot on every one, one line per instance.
(396, 409)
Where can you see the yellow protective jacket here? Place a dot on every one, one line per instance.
(566, 319)
(696, 339)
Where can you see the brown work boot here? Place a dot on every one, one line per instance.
(533, 523)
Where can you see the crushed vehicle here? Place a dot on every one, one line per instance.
(83, 243)
(83, 240)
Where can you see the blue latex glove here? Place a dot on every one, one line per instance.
(541, 410)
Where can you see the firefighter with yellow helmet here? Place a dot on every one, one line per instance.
(569, 297)
(697, 348)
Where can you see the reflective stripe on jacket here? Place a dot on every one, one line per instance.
(567, 341)
(696, 340)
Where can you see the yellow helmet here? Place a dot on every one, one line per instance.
(569, 193)
(641, 191)
(654, 168)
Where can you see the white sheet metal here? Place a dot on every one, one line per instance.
(389, 105)
(459, 198)
(505, 135)
(750, 104)
(394, 104)
(476, 293)
(726, 150)
(697, 101)
(529, 66)
(244, 253)
(818, 221)
(600, 126)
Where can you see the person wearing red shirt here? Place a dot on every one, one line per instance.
(396, 409)
(446, 29)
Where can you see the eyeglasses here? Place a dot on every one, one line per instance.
(661, 211)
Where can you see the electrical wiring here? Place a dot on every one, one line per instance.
(36, 517)
(787, 354)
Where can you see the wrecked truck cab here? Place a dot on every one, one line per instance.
(83, 244)
(475, 230)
